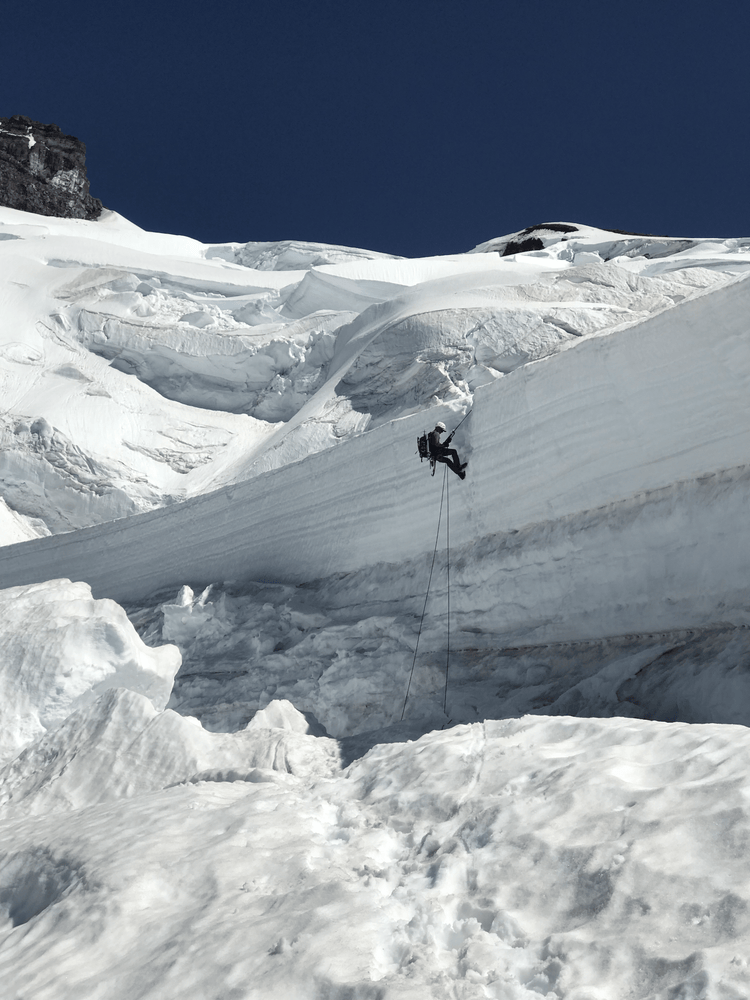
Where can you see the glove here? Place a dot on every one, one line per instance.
(450, 437)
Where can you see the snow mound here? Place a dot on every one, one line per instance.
(281, 714)
(60, 649)
(568, 857)
(121, 746)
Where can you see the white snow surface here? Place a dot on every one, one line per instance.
(59, 649)
(219, 789)
(534, 857)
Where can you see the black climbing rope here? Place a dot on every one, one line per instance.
(424, 609)
(460, 422)
(448, 567)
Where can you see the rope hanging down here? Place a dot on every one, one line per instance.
(443, 495)
(448, 568)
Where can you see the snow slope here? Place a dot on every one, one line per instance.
(137, 369)
(537, 857)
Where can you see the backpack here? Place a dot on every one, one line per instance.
(423, 447)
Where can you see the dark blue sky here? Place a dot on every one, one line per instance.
(415, 127)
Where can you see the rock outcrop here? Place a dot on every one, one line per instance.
(44, 171)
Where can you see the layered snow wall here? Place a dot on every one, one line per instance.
(609, 482)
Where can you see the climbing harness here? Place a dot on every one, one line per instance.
(444, 495)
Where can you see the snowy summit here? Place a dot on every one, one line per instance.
(284, 715)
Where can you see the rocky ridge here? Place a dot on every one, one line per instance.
(42, 170)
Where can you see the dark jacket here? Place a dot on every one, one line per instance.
(434, 439)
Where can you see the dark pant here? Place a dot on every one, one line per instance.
(449, 456)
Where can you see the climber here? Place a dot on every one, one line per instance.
(442, 453)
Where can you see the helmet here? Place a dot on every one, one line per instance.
(440, 425)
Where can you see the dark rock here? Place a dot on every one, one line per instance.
(44, 171)
(521, 246)
(529, 238)
(552, 227)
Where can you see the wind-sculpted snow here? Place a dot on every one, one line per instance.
(59, 649)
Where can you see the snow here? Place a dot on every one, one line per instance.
(552, 857)
(29, 137)
(290, 255)
(60, 649)
(215, 787)
(16, 528)
(172, 372)
(597, 436)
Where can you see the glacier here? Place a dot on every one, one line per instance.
(215, 545)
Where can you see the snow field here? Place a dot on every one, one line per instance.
(254, 368)
(552, 857)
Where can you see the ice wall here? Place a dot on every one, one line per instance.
(606, 492)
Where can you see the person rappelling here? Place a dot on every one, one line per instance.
(440, 452)
(431, 447)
